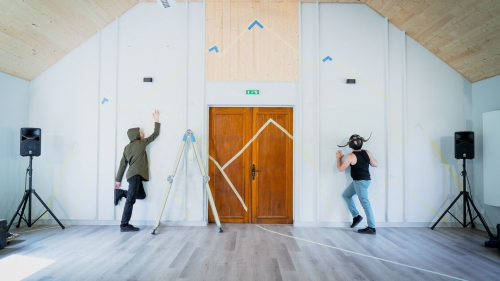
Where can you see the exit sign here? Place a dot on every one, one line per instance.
(252, 92)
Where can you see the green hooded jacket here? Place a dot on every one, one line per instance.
(135, 155)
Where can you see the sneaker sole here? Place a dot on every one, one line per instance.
(129, 230)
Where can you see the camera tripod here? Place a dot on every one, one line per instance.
(466, 207)
(27, 200)
(189, 135)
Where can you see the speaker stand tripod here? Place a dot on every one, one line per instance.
(466, 208)
(27, 200)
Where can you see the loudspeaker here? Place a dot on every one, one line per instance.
(3, 233)
(31, 141)
(464, 145)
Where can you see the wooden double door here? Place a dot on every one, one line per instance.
(260, 170)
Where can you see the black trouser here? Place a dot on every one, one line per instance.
(135, 191)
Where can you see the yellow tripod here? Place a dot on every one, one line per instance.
(170, 179)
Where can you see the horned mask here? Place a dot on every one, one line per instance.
(356, 142)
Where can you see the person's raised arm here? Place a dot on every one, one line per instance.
(347, 161)
(373, 161)
(156, 133)
(121, 170)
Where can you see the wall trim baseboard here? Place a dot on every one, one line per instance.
(379, 224)
(117, 222)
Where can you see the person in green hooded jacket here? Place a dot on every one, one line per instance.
(134, 155)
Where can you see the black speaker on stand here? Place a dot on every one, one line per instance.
(31, 139)
(464, 145)
(31, 142)
(464, 149)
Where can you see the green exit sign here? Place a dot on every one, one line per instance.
(252, 92)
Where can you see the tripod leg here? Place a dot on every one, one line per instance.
(485, 225)
(170, 181)
(449, 207)
(207, 187)
(162, 207)
(470, 212)
(47, 208)
(212, 205)
(17, 211)
(24, 207)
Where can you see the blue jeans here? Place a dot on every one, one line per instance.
(361, 189)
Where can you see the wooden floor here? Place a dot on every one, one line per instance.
(248, 252)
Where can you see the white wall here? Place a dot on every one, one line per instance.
(410, 100)
(346, 109)
(14, 114)
(436, 104)
(86, 134)
(64, 104)
(485, 97)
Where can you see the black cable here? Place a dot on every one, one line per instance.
(26, 177)
(464, 174)
(470, 188)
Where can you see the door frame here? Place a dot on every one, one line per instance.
(295, 156)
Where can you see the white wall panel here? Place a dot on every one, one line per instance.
(485, 98)
(308, 188)
(64, 104)
(395, 93)
(357, 49)
(195, 201)
(14, 114)
(435, 105)
(491, 135)
(108, 87)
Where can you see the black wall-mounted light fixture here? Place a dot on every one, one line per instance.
(351, 81)
(148, 79)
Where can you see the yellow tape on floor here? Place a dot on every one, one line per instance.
(359, 254)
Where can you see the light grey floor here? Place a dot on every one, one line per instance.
(247, 252)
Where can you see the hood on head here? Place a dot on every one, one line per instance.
(133, 134)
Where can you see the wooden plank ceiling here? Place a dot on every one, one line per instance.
(35, 34)
(463, 33)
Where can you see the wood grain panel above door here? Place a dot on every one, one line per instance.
(260, 54)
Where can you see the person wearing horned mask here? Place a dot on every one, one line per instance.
(359, 160)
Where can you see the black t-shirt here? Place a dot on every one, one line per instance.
(360, 170)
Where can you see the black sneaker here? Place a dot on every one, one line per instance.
(356, 221)
(119, 193)
(117, 196)
(128, 228)
(367, 230)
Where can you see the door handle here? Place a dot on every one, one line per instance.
(253, 171)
